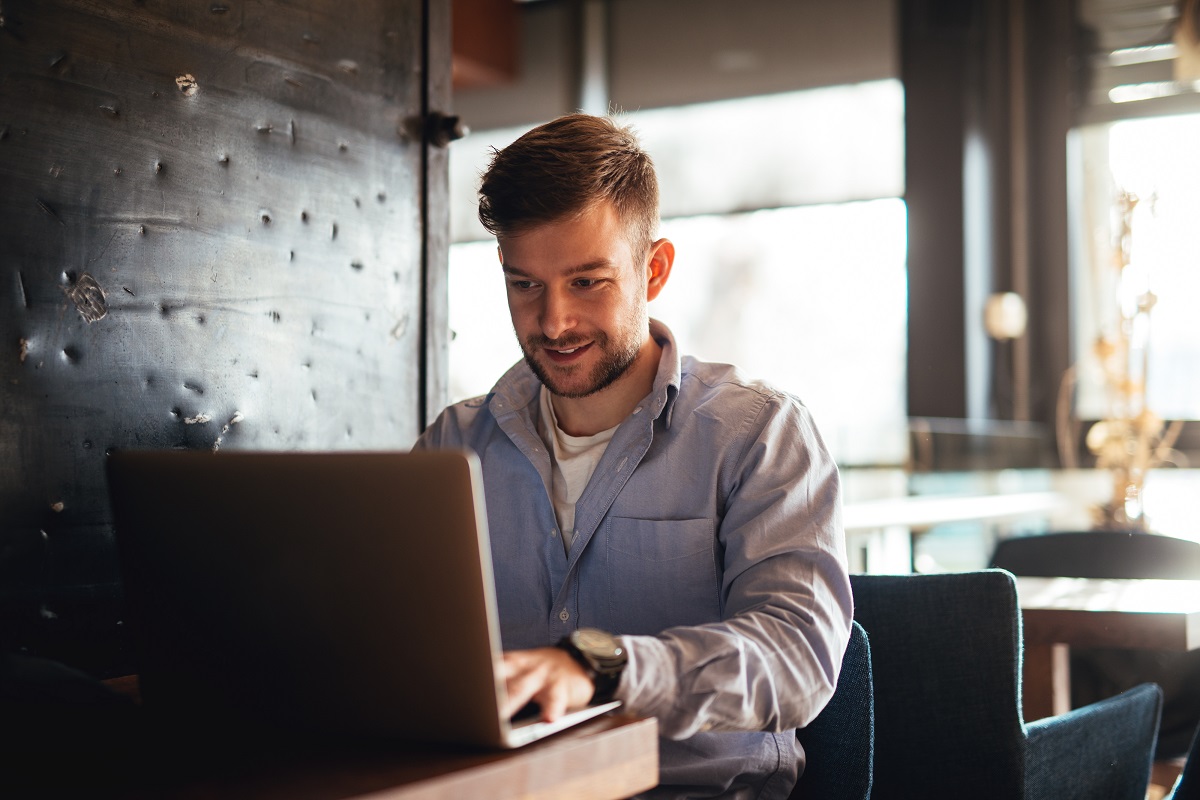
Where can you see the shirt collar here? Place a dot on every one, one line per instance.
(670, 372)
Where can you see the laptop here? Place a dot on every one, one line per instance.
(338, 595)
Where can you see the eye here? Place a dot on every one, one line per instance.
(586, 283)
(521, 285)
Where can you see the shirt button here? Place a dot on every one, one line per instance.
(553, 533)
(637, 410)
(564, 615)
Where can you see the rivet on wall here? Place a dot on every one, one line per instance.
(223, 160)
(88, 297)
(23, 351)
(356, 265)
(348, 66)
(24, 291)
(193, 387)
(187, 84)
(400, 328)
(44, 206)
(111, 111)
(333, 232)
(218, 9)
(234, 420)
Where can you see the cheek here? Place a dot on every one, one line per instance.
(523, 313)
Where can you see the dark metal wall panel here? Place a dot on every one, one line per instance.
(211, 238)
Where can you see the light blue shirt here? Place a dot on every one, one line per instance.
(709, 537)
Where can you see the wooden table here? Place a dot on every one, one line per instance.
(607, 758)
(1061, 612)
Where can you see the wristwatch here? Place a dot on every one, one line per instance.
(602, 657)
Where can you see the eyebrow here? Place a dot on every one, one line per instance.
(589, 266)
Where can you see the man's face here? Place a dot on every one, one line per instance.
(577, 295)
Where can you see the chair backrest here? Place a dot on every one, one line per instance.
(945, 657)
(1099, 554)
(839, 744)
(1188, 785)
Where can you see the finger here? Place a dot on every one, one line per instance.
(553, 700)
(520, 683)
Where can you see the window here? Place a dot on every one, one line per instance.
(790, 262)
(1156, 160)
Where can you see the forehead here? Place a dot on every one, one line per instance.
(595, 237)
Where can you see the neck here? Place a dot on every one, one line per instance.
(607, 408)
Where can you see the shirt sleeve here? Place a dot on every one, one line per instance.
(772, 662)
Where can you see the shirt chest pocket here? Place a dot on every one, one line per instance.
(660, 573)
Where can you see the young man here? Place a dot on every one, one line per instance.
(664, 531)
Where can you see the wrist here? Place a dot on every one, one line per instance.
(602, 657)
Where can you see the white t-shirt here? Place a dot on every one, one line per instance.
(574, 459)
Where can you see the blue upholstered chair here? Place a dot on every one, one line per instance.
(839, 744)
(946, 665)
(1188, 785)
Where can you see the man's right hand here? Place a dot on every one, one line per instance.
(547, 676)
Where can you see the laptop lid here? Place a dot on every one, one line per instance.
(345, 594)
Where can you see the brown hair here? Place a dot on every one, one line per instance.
(565, 167)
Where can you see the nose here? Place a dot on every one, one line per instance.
(558, 313)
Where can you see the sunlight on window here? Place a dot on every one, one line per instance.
(790, 260)
(1157, 160)
(803, 298)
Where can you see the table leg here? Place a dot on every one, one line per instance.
(1046, 687)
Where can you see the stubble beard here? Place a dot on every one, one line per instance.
(607, 371)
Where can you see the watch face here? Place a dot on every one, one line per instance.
(596, 642)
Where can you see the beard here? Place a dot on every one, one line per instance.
(569, 381)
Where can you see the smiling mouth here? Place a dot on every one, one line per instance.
(564, 354)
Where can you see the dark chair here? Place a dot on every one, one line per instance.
(1099, 673)
(1099, 554)
(946, 665)
(839, 744)
(1188, 785)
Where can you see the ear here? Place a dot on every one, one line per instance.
(658, 267)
